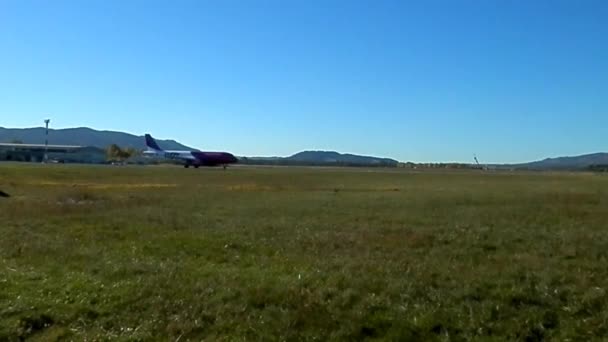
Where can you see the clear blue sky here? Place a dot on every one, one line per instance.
(509, 80)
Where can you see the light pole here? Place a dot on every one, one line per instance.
(46, 141)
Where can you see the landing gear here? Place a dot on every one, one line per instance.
(186, 165)
(225, 167)
(196, 166)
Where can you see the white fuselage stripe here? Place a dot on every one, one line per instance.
(177, 155)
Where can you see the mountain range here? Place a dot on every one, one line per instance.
(322, 158)
(565, 163)
(335, 157)
(84, 136)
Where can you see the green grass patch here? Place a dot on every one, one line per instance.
(163, 253)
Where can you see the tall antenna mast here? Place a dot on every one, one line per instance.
(46, 141)
(481, 167)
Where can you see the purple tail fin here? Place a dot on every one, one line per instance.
(151, 143)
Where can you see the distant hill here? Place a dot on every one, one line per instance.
(566, 163)
(83, 137)
(328, 157)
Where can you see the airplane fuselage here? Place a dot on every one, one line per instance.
(190, 158)
(196, 158)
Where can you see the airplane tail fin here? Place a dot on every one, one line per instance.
(151, 143)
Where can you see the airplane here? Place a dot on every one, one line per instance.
(190, 158)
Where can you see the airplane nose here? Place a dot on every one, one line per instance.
(230, 158)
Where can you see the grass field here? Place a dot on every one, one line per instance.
(164, 253)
